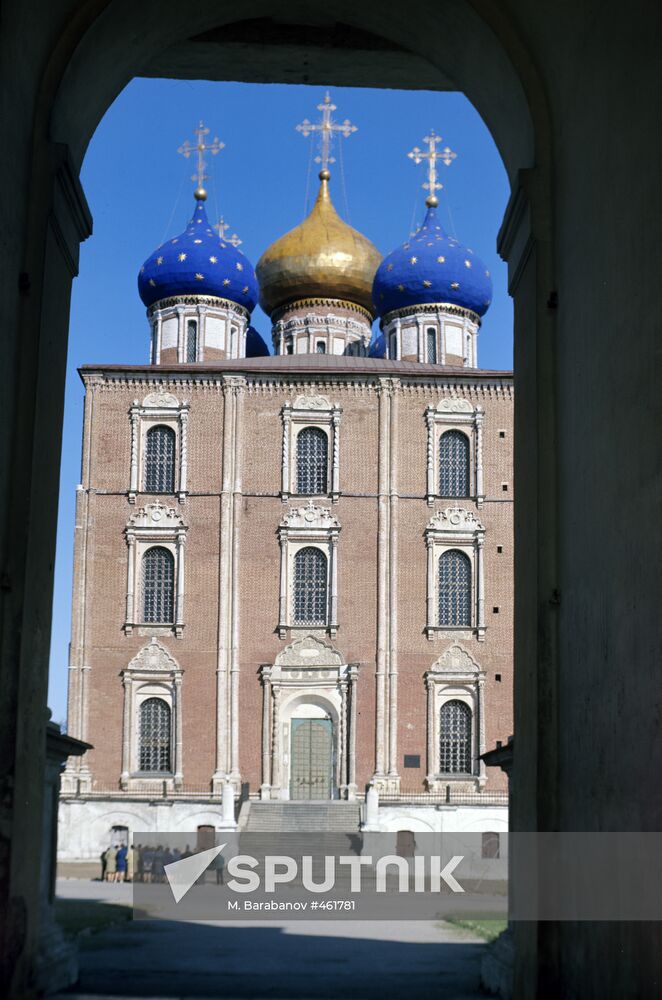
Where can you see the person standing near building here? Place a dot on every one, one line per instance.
(130, 863)
(111, 863)
(121, 863)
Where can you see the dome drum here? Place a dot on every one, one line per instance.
(322, 327)
(432, 334)
(191, 330)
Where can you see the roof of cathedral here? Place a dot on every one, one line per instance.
(322, 257)
(432, 267)
(325, 364)
(198, 262)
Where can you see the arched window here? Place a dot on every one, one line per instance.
(431, 335)
(154, 747)
(160, 460)
(455, 738)
(454, 464)
(310, 587)
(312, 461)
(454, 588)
(191, 342)
(158, 579)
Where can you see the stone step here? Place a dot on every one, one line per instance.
(303, 817)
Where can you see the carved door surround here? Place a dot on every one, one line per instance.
(308, 672)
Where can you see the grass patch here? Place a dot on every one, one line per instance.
(488, 930)
(77, 916)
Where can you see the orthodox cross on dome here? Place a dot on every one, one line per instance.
(446, 155)
(326, 130)
(223, 228)
(200, 147)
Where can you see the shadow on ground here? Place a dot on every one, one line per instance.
(295, 960)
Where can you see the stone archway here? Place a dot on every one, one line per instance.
(82, 60)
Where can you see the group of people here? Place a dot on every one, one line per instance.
(117, 863)
(144, 863)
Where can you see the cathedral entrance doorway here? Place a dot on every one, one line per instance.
(311, 759)
(309, 723)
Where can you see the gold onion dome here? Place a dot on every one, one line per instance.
(321, 258)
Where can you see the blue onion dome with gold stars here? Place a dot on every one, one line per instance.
(432, 267)
(198, 262)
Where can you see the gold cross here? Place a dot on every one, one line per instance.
(327, 129)
(223, 228)
(433, 154)
(200, 147)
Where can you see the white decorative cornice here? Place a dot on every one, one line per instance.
(319, 322)
(154, 658)
(429, 309)
(282, 312)
(156, 515)
(309, 651)
(310, 516)
(211, 301)
(419, 383)
(455, 520)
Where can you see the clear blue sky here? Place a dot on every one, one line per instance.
(139, 191)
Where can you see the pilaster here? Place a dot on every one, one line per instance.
(265, 677)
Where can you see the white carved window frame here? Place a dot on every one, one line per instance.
(455, 528)
(310, 411)
(154, 525)
(301, 528)
(158, 409)
(458, 414)
(455, 676)
(152, 673)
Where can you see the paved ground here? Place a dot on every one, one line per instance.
(298, 960)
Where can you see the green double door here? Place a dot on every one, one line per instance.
(311, 759)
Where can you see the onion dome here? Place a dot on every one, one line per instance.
(321, 258)
(255, 345)
(432, 267)
(198, 262)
